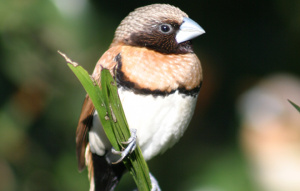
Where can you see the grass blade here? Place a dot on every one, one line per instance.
(295, 105)
(112, 117)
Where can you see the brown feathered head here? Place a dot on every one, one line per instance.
(159, 27)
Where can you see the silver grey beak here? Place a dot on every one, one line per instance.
(188, 30)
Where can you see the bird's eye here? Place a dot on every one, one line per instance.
(165, 28)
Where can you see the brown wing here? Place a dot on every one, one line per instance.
(84, 124)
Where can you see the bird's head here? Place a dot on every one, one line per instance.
(160, 27)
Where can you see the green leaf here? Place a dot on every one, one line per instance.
(108, 105)
(136, 163)
(295, 105)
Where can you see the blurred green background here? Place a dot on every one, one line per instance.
(40, 98)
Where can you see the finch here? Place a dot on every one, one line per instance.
(158, 77)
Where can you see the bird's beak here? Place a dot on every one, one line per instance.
(188, 30)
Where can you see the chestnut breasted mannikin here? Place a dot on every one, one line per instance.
(158, 76)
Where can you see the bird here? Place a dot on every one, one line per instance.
(158, 77)
(270, 132)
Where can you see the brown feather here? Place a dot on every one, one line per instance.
(90, 165)
(152, 70)
(85, 122)
(144, 18)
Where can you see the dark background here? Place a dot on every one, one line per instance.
(40, 98)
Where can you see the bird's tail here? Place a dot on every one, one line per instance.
(103, 175)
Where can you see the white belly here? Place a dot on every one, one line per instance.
(160, 121)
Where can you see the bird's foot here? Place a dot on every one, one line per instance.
(154, 183)
(131, 142)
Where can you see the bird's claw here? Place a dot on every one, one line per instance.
(154, 183)
(131, 142)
